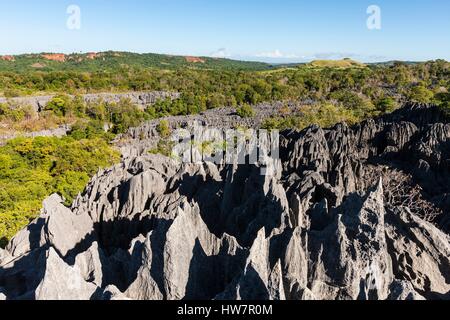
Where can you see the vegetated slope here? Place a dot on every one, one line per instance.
(356, 212)
(110, 61)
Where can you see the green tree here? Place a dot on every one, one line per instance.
(163, 129)
(386, 105)
(245, 111)
(58, 105)
(443, 100)
(420, 94)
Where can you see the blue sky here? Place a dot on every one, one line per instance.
(267, 30)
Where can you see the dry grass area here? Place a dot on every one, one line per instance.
(343, 64)
(400, 190)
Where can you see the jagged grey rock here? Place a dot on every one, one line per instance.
(61, 281)
(91, 264)
(56, 226)
(348, 259)
(357, 212)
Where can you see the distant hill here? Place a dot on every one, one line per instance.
(105, 61)
(344, 63)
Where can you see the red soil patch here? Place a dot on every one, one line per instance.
(7, 58)
(91, 55)
(194, 60)
(55, 57)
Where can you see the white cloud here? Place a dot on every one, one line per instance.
(277, 54)
(220, 53)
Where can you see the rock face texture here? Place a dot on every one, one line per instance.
(353, 213)
(137, 141)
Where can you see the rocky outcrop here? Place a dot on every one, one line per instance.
(59, 132)
(355, 213)
(38, 104)
(59, 57)
(141, 99)
(137, 141)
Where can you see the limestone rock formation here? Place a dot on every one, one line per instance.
(137, 141)
(356, 212)
(141, 99)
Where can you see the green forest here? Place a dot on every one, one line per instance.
(31, 169)
(111, 61)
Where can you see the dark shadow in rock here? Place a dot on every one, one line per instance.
(367, 293)
(158, 239)
(34, 230)
(24, 276)
(207, 194)
(414, 112)
(437, 296)
(3, 242)
(246, 209)
(209, 275)
(123, 190)
(24, 273)
(252, 287)
(277, 246)
(234, 206)
(115, 237)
